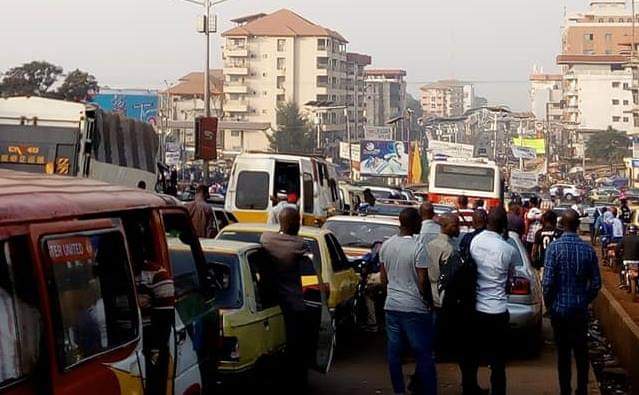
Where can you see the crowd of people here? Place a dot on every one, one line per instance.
(452, 272)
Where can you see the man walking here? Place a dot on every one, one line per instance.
(409, 303)
(571, 282)
(286, 250)
(533, 218)
(202, 214)
(430, 229)
(546, 235)
(495, 259)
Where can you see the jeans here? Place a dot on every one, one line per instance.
(417, 329)
(571, 337)
(489, 344)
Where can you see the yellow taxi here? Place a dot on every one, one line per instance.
(339, 279)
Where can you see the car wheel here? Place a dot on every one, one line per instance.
(569, 196)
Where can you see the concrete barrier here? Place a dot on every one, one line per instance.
(621, 331)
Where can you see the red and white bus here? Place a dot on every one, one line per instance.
(476, 179)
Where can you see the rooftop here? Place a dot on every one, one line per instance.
(391, 73)
(192, 84)
(358, 58)
(282, 23)
(546, 77)
(591, 59)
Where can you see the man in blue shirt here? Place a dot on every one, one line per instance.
(571, 282)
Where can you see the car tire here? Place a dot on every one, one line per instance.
(569, 196)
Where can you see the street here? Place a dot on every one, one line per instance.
(360, 368)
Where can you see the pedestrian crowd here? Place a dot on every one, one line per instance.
(445, 275)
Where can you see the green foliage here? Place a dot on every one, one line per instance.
(31, 79)
(294, 132)
(37, 78)
(609, 147)
(77, 86)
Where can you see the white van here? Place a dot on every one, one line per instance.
(256, 177)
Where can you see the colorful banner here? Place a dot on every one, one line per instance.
(539, 145)
(415, 176)
(137, 104)
(523, 152)
(384, 158)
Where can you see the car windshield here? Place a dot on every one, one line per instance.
(226, 272)
(360, 234)
(388, 210)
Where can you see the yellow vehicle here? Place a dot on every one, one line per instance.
(256, 177)
(252, 324)
(339, 279)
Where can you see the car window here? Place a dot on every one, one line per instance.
(226, 271)
(92, 294)
(262, 280)
(339, 261)
(360, 234)
(18, 307)
(252, 190)
(222, 222)
(519, 260)
(314, 255)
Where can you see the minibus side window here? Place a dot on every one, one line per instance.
(252, 190)
(308, 193)
(20, 348)
(93, 297)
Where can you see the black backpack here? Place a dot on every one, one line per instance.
(457, 282)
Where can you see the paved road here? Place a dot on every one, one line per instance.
(360, 368)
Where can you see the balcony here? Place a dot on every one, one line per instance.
(235, 88)
(236, 52)
(236, 107)
(236, 70)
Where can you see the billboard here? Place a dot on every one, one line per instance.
(137, 104)
(539, 145)
(523, 152)
(378, 133)
(523, 180)
(452, 150)
(206, 138)
(384, 158)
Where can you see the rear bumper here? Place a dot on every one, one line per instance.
(524, 316)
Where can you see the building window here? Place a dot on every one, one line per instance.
(589, 36)
(265, 111)
(625, 102)
(280, 82)
(235, 133)
(616, 119)
(321, 44)
(626, 85)
(608, 37)
(625, 119)
(281, 45)
(616, 84)
(281, 98)
(281, 63)
(264, 75)
(265, 93)
(615, 102)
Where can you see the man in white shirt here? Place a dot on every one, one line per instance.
(617, 227)
(495, 259)
(430, 229)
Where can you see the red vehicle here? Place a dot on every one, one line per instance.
(71, 252)
(474, 179)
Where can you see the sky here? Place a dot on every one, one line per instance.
(151, 43)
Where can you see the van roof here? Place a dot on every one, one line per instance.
(305, 231)
(27, 197)
(281, 155)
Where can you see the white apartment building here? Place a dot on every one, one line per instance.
(447, 98)
(271, 59)
(546, 94)
(356, 92)
(597, 92)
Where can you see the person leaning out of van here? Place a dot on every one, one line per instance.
(201, 214)
(280, 202)
(286, 251)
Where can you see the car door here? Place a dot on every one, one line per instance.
(196, 330)
(93, 320)
(343, 279)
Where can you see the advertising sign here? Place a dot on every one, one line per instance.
(378, 133)
(523, 180)
(344, 154)
(523, 152)
(136, 104)
(206, 138)
(344, 151)
(451, 150)
(355, 152)
(384, 158)
(539, 145)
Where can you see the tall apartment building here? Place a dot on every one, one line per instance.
(385, 95)
(546, 95)
(448, 98)
(356, 92)
(271, 59)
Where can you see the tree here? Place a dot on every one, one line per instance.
(294, 133)
(610, 147)
(77, 86)
(30, 79)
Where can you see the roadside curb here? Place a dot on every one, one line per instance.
(621, 331)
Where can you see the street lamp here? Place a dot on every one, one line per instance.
(206, 17)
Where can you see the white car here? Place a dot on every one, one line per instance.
(570, 191)
(358, 234)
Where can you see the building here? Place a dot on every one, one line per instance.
(447, 98)
(356, 92)
(598, 31)
(272, 59)
(546, 95)
(385, 95)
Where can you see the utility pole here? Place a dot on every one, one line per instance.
(207, 82)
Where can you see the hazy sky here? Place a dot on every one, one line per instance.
(142, 43)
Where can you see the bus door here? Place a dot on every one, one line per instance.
(250, 190)
(92, 326)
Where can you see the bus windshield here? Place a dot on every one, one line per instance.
(465, 177)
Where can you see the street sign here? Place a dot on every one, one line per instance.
(452, 150)
(206, 138)
(378, 133)
(523, 152)
(523, 179)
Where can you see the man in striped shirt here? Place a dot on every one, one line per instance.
(465, 215)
